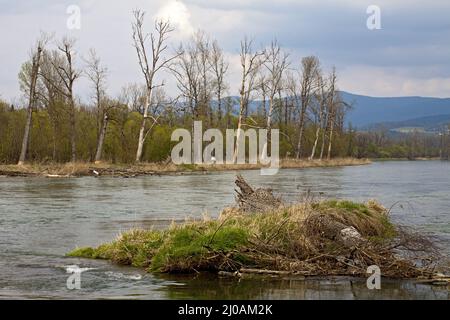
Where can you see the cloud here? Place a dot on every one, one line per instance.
(392, 82)
(177, 14)
(409, 56)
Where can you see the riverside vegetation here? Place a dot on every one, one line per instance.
(264, 235)
(132, 170)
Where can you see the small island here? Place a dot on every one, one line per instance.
(262, 235)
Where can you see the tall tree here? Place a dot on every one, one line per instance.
(185, 70)
(200, 74)
(219, 67)
(202, 59)
(275, 63)
(50, 94)
(67, 74)
(150, 64)
(309, 71)
(97, 73)
(250, 64)
(36, 55)
(333, 104)
(321, 98)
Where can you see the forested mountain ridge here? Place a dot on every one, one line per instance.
(367, 110)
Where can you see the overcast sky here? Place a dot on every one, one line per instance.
(410, 55)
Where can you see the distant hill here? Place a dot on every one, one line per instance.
(428, 124)
(391, 113)
(405, 111)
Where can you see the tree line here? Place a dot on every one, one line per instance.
(298, 98)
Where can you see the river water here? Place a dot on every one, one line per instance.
(41, 219)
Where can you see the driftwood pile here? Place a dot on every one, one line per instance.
(263, 200)
(251, 200)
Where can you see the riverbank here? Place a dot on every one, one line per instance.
(106, 169)
(406, 159)
(263, 236)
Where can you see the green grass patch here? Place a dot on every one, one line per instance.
(348, 206)
(190, 247)
(179, 248)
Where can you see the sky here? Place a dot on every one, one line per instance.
(408, 56)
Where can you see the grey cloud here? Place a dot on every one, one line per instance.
(413, 43)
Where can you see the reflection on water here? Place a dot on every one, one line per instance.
(42, 219)
(209, 287)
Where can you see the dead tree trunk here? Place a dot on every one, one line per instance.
(141, 140)
(101, 139)
(332, 112)
(330, 139)
(301, 129)
(219, 67)
(32, 99)
(324, 136)
(322, 99)
(73, 134)
(97, 74)
(316, 141)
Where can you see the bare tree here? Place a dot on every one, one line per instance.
(332, 107)
(185, 70)
(310, 67)
(200, 71)
(133, 95)
(219, 68)
(293, 89)
(97, 73)
(36, 55)
(275, 63)
(321, 97)
(250, 63)
(262, 89)
(150, 63)
(67, 75)
(202, 59)
(49, 92)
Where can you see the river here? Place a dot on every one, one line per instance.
(41, 219)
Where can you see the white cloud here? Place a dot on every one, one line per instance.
(178, 15)
(392, 82)
(407, 57)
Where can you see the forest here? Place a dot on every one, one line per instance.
(300, 98)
